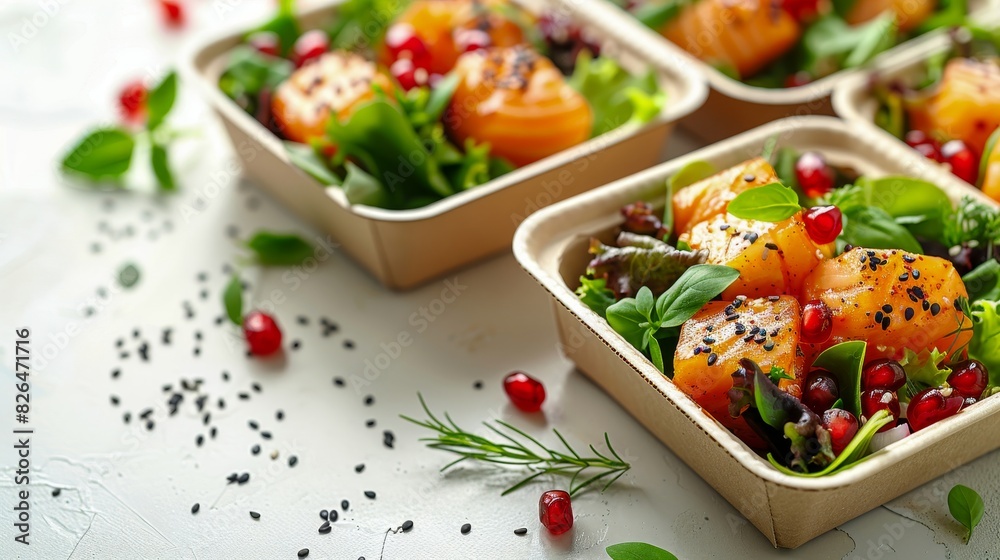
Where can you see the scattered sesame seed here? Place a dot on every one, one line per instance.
(521, 531)
(256, 387)
(115, 373)
(712, 358)
(115, 400)
(292, 461)
(348, 344)
(199, 440)
(265, 435)
(244, 478)
(324, 514)
(477, 385)
(370, 423)
(466, 528)
(368, 493)
(296, 344)
(233, 478)
(935, 309)
(879, 316)
(887, 308)
(916, 274)
(253, 425)
(333, 516)
(344, 504)
(195, 508)
(369, 400)
(769, 345)
(280, 414)
(303, 320)
(338, 381)
(359, 467)
(56, 492)
(407, 525)
(324, 528)
(303, 553)
(908, 314)
(255, 449)
(904, 277)
(254, 515)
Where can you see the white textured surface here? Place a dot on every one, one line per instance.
(127, 492)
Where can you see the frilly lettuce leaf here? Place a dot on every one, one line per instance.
(985, 344)
(640, 260)
(616, 96)
(923, 370)
(595, 293)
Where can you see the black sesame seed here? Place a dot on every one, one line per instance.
(771, 246)
(56, 492)
(708, 340)
(127, 417)
(750, 236)
(213, 431)
(115, 373)
(724, 227)
(407, 525)
(324, 528)
(324, 514)
(115, 400)
(333, 516)
(244, 396)
(348, 344)
(280, 415)
(296, 344)
(265, 435)
(303, 553)
(917, 291)
(908, 314)
(466, 528)
(773, 298)
(256, 387)
(887, 308)
(292, 461)
(521, 531)
(253, 425)
(368, 493)
(255, 449)
(195, 508)
(150, 425)
(935, 309)
(199, 440)
(477, 385)
(908, 258)
(904, 277)
(254, 515)
(916, 274)
(225, 376)
(338, 381)
(303, 320)
(233, 478)
(369, 400)
(344, 504)
(879, 316)
(769, 345)
(370, 423)
(712, 358)
(244, 478)
(926, 305)
(697, 350)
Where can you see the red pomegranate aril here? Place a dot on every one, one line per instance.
(402, 41)
(266, 42)
(408, 75)
(820, 391)
(842, 426)
(874, 400)
(931, 406)
(823, 223)
(883, 374)
(555, 511)
(132, 101)
(801, 10)
(814, 175)
(468, 40)
(963, 161)
(969, 379)
(172, 12)
(817, 322)
(262, 333)
(310, 46)
(525, 392)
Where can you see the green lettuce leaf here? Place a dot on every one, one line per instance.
(595, 293)
(640, 260)
(985, 344)
(923, 370)
(615, 96)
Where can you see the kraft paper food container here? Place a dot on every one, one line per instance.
(552, 244)
(732, 106)
(403, 248)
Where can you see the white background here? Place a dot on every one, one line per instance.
(127, 492)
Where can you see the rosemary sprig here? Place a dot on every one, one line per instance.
(530, 454)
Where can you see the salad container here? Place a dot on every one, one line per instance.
(789, 510)
(733, 106)
(403, 248)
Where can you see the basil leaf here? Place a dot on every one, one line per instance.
(160, 100)
(983, 282)
(128, 276)
(874, 228)
(966, 506)
(232, 299)
(161, 167)
(595, 293)
(644, 302)
(845, 361)
(773, 202)
(362, 188)
(851, 455)
(104, 153)
(905, 197)
(691, 173)
(637, 551)
(305, 158)
(282, 249)
(769, 399)
(625, 318)
(655, 15)
(875, 37)
(984, 163)
(697, 286)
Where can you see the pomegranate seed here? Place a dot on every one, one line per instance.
(963, 161)
(801, 10)
(969, 379)
(820, 391)
(132, 101)
(262, 333)
(402, 41)
(468, 40)
(524, 391)
(310, 46)
(798, 79)
(842, 426)
(266, 42)
(814, 175)
(173, 13)
(932, 405)
(555, 511)
(874, 400)
(823, 223)
(408, 75)
(883, 374)
(817, 322)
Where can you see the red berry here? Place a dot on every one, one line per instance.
(963, 161)
(555, 511)
(883, 374)
(524, 391)
(842, 426)
(969, 379)
(874, 400)
(801, 10)
(932, 405)
(266, 42)
(814, 175)
(823, 223)
(408, 75)
(310, 46)
(132, 101)
(820, 391)
(798, 79)
(817, 322)
(262, 333)
(173, 13)
(468, 40)
(402, 41)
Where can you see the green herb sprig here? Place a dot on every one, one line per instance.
(517, 448)
(967, 507)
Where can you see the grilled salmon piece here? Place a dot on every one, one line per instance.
(965, 105)
(710, 197)
(893, 299)
(715, 339)
(909, 13)
(334, 84)
(744, 35)
(517, 101)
